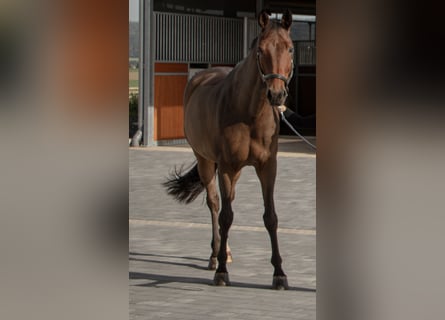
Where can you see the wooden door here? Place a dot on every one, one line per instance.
(170, 82)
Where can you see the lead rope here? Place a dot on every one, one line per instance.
(295, 131)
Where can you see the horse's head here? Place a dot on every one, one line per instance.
(275, 52)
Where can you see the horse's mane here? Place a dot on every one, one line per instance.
(254, 43)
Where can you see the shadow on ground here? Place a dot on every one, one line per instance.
(157, 280)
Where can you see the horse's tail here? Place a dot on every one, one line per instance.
(183, 185)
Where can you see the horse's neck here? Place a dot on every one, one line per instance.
(250, 92)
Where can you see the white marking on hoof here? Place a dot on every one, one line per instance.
(221, 279)
(280, 283)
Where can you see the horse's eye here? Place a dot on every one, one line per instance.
(259, 51)
(291, 50)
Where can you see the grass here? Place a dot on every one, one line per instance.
(133, 78)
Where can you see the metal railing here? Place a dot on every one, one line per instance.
(305, 53)
(197, 39)
(205, 39)
(253, 30)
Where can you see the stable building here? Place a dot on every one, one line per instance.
(181, 37)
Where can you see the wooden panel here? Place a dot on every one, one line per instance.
(306, 69)
(306, 90)
(171, 67)
(223, 65)
(302, 100)
(169, 110)
(306, 96)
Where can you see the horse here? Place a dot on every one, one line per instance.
(231, 121)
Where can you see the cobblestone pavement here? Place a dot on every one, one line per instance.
(170, 243)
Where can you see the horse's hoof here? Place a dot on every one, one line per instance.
(212, 263)
(229, 257)
(280, 283)
(221, 279)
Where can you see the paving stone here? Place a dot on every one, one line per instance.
(170, 244)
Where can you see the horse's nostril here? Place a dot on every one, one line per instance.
(269, 95)
(276, 97)
(284, 92)
(281, 95)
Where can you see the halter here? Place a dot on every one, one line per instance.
(268, 76)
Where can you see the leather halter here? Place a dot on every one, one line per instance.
(268, 76)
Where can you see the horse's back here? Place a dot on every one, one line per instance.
(205, 79)
(201, 101)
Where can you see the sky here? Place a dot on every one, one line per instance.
(134, 10)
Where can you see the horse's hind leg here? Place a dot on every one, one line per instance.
(207, 173)
(213, 204)
(267, 174)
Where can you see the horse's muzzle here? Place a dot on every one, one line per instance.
(276, 98)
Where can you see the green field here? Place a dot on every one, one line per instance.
(133, 78)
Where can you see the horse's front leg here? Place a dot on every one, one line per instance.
(267, 174)
(213, 204)
(227, 181)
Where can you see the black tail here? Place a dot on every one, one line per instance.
(184, 186)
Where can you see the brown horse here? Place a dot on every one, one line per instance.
(231, 121)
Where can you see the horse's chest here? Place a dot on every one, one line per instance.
(252, 141)
(244, 148)
(260, 151)
(263, 139)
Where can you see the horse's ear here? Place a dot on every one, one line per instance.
(263, 18)
(286, 19)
